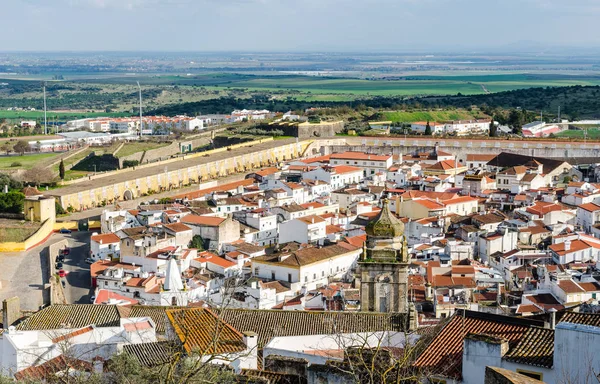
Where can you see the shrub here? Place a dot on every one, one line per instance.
(130, 163)
(16, 164)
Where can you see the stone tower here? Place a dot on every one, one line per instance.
(383, 266)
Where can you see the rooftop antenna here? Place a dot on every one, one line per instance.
(141, 122)
(45, 116)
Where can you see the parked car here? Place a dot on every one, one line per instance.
(89, 260)
(65, 251)
(65, 230)
(92, 299)
(60, 258)
(62, 273)
(59, 265)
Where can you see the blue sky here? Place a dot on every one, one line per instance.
(292, 25)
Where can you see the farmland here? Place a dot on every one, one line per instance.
(409, 117)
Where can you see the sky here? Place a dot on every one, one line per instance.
(296, 25)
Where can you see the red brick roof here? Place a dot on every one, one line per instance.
(178, 227)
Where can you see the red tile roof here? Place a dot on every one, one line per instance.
(178, 227)
(359, 156)
(106, 238)
(444, 354)
(209, 221)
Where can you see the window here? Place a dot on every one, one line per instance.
(322, 273)
(306, 278)
(314, 276)
(272, 275)
(256, 271)
(533, 375)
(289, 277)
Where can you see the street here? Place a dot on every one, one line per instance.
(25, 274)
(77, 281)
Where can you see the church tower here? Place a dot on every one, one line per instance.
(383, 266)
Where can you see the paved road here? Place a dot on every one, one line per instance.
(77, 282)
(24, 274)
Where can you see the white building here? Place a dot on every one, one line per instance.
(303, 230)
(370, 163)
(105, 246)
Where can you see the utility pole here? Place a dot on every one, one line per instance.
(141, 122)
(45, 116)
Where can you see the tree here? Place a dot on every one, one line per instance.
(13, 184)
(21, 147)
(12, 202)
(61, 169)
(6, 147)
(197, 242)
(428, 129)
(493, 129)
(38, 175)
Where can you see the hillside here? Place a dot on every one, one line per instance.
(409, 117)
(575, 102)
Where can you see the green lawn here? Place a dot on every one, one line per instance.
(27, 161)
(409, 117)
(134, 147)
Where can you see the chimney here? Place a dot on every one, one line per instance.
(552, 318)
(568, 245)
(250, 360)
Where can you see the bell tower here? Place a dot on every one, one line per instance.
(383, 266)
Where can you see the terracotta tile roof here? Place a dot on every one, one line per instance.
(546, 301)
(331, 229)
(313, 205)
(359, 156)
(209, 257)
(267, 171)
(528, 308)
(590, 207)
(153, 354)
(541, 208)
(318, 159)
(357, 241)
(569, 286)
(535, 348)
(312, 219)
(31, 191)
(592, 319)
(576, 245)
(178, 227)
(444, 354)
(341, 169)
(200, 330)
(69, 335)
(46, 370)
(106, 238)
(305, 256)
(72, 316)
(209, 221)
(479, 157)
(444, 165)
(268, 324)
(590, 287)
(156, 313)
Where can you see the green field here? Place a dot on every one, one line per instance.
(410, 117)
(53, 115)
(131, 148)
(592, 134)
(346, 88)
(27, 161)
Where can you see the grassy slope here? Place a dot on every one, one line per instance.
(131, 148)
(27, 161)
(409, 117)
